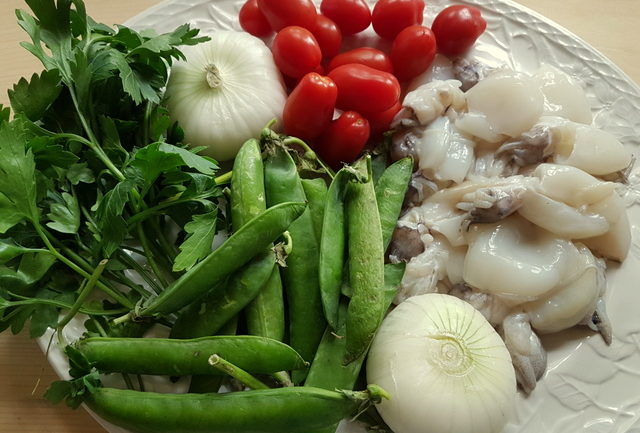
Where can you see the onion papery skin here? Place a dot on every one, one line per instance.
(222, 112)
(446, 368)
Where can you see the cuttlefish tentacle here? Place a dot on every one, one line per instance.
(527, 354)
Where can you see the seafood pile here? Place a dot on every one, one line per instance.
(513, 205)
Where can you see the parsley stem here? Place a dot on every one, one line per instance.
(133, 264)
(84, 293)
(109, 291)
(93, 140)
(24, 300)
(223, 178)
(142, 237)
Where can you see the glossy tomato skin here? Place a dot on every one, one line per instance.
(389, 17)
(253, 21)
(328, 35)
(283, 13)
(380, 122)
(344, 140)
(361, 88)
(413, 51)
(308, 110)
(456, 29)
(296, 51)
(371, 57)
(351, 16)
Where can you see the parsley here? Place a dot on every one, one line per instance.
(93, 168)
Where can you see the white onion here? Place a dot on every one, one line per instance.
(226, 91)
(446, 368)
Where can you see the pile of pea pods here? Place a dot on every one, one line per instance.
(302, 274)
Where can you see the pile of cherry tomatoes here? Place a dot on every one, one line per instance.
(365, 82)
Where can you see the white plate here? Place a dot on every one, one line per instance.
(588, 386)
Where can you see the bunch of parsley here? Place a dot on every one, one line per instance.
(96, 186)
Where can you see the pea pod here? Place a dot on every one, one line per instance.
(202, 384)
(206, 316)
(265, 313)
(366, 266)
(300, 276)
(160, 356)
(247, 185)
(332, 247)
(390, 191)
(253, 238)
(327, 370)
(316, 192)
(290, 410)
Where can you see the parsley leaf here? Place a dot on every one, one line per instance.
(17, 171)
(5, 113)
(65, 216)
(197, 246)
(33, 98)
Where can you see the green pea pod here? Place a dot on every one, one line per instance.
(316, 192)
(327, 370)
(250, 240)
(163, 356)
(300, 276)
(390, 191)
(202, 384)
(366, 265)
(332, 247)
(290, 410)
(247, 185)
(206, 316)
(265, 313)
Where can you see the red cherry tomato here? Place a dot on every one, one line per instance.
(309, 108)
(328, 36)
(361, 88)
(283, 13)
(412, 52)
(456, 29)
(351, 16)
(252, 20)
(344, 140)
(371, 57)
(381, 121)
(389, 17)
(295, 51)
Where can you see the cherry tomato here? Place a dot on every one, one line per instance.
(381, 121)
(252, 20)
(371, 57)
(389, 17)
(344, 140)
(309, 108)
(351, 16)
(283, 13)
(328, 36)
(456, 29)
(362, 88)
(295, 51)
(413, 51)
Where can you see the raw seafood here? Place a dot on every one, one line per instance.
(512, 208)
